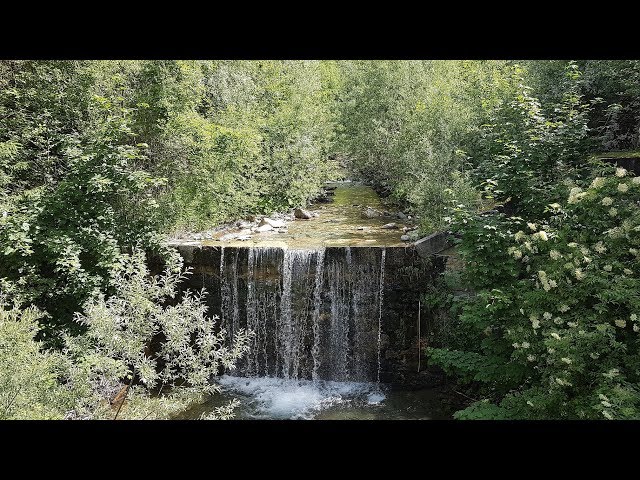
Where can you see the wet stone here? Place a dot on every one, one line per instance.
(302, 214)
(371, 213)
(271, 222)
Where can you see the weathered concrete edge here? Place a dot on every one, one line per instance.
(432, 244)
(425, 247)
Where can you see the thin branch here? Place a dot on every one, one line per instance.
(133, 375)
(467, 396)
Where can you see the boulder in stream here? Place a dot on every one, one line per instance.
(390, 226)
(264, 228)
(272, 223)
(371, 213)
(303, 214)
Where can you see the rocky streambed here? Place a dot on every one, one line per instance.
(346, 214)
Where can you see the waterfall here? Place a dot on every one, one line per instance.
(340, 295)
(225, 293)
(229, 302)
(380, 302)
(286, 328)
(316, 314)
(252, 317)
(317, 292)
(235, 312)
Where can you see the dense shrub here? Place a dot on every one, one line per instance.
(551, 330)
(172, 352)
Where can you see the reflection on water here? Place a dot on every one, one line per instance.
(278, 398)
(340, 223)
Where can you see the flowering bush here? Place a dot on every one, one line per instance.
(556, 314)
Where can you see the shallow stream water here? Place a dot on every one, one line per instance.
(339, 224)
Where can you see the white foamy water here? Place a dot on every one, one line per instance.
(268, 397)
(375, 397)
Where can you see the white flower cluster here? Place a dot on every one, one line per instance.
(534, 321)
(541, 235)
(597, 183)
(562, 382)
(576, 194)
(607, 201)
(612, 373)
(620, 172)
(615, 232)
(555, 255)
(515, 253)
(599, 247)
(546, 283)
(623, 187)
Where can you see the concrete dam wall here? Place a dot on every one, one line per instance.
(326, 313)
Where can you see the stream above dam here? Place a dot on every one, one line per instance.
(353, 216)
